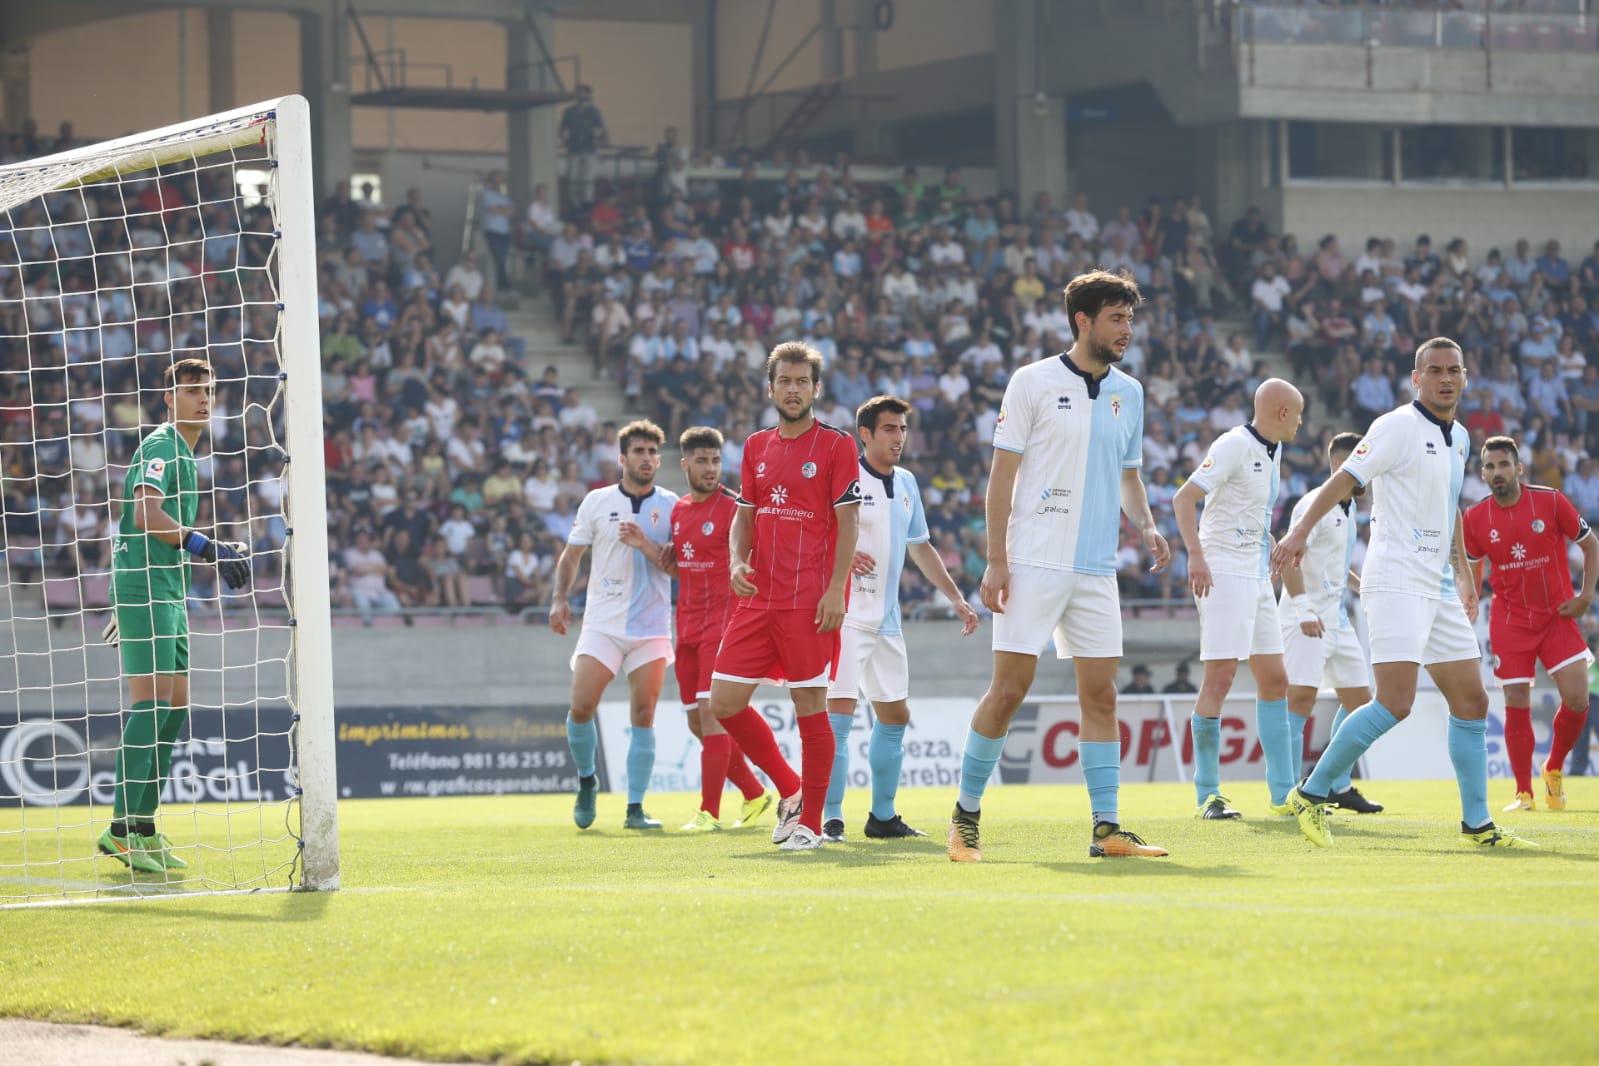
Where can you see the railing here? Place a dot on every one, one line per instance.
(1369, 26)
(392, 68)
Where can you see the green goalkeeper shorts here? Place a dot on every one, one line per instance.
(154, 638)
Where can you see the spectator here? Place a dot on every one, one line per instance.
(368, 579)
(582, 134)
(1180, 683)
(1140, 685)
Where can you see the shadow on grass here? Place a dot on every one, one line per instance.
(1139, 868)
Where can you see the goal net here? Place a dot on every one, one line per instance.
(116, 261)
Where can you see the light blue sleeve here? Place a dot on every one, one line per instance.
(917, 533)
(1134, 453)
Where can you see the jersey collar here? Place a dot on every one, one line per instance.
(887, 479)
(1089, 380)
(1447, 428)
(1269, 445)
(637, 501)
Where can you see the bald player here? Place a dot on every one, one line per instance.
(1229, 572)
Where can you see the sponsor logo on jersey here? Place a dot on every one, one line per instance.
(155, 470)
(1209, 462)
(779, 496)
(688, 550)
(1517, 551)
(760, 468)
(808, 470)
(1000, 421)
(708, 528)
(1493, 536)
(1362, 448)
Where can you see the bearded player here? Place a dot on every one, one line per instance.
(1524, 532)
(697, 556)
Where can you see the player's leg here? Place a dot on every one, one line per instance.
(1226, 630)
(748, 654)
(1276, 731)
(1565, 649)
(1460, 683)
(1301, 705)
(143, 650)
(809, 660)
(1519, 740)
(1099, 748)
(592, 669)
(644, 680)
(1036, 603)
(1344, 793)
(842, 695)
(1304, 661)
(172, 714)
(713, 751)
(886, 680)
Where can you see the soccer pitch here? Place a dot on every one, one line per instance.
(492, 929)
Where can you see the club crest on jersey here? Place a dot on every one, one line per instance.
(808, 470)
(1116, 406)
(906, 501)
(1537, 525)
(655, 518)
(707, 529)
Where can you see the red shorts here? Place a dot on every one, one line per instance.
(1518, 651)
(694, 665)
(776, 648)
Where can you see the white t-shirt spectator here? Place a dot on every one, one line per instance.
(1083, 223)
(579, 416)
(442, 414)
(849, 222)
(457, 534)
(1270, 292)
(366, 584)
(947, 252)
(979, 357)
(953, 385)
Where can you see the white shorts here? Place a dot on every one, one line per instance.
(1332, 660)
(1406, 628)
(1238, 619)
(1082, 611)
(621, 655)
(873, 665)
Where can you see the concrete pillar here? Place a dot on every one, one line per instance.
(871, 139)
(832, 41)
(532, 139)
(325, 81)
(14, 79)
(702, 54)
(1029, 124)
(221, 89)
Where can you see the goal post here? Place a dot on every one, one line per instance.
(101, 287)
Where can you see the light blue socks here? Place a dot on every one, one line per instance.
(584, 739)
(977, 766)
(1341, 784)
(1276, 740)
(1296, 738)
(1102, 771)
(1359, 731)
(834, 806)
(640, 762)
(1207, 755)
(1468, 750)
(886, 753)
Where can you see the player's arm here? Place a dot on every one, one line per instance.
(931, 564)
(830, 612)
(1135, 505)
(1294, 585)
(1291, 548)
(1578, 605)
(661, 556)
(738, 542)
(155, 522)
(995, 589)
(566, 568)
(1185, 506)
(1466, 585)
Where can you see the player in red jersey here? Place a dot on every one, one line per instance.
(1523, 531)
(792, 544)
(697, 555)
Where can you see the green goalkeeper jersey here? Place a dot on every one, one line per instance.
(146, 567)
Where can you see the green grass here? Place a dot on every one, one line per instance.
(491, 929)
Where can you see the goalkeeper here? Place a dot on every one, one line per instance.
(149, 623)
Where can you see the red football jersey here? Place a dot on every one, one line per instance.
(704, 592)
(794, 485)
(1525, 546)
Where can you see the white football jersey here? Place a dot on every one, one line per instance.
(891, 519)
(627, 596)
(1415, 464)
(1241, 475)
(1329, 552)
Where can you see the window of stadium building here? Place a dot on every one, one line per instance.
(1340, 152)
(1452, 155)
(1543, 153)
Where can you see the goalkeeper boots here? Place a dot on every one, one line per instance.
(1492, 836)
(588, 789)
(161, 844)
(1554, 789)
(1112, 841)
(133, 851)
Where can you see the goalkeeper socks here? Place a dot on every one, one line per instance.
(1468, 750)
(1297, 725)
(1102, 771)
(1519, 743)
(169, 721)
(1207, 756)
(751, 733)
(977, 766)
(136, 763)
(886, 754)
(839, 781)
(1360, 731)
(739, 772)
(583, 738)
(640, 761)
(1271, 721)
(1342, 783)
(818, 747)
(1567, 728)
(713, 771)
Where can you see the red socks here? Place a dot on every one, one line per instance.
(751, 733)
(739, 772)
(1519, 744)
(818, 748)
(713, 771)
(1568, 725)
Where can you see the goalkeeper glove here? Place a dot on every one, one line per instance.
(230, 557)
(111, 634)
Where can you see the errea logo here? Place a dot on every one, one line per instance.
(1063, 403)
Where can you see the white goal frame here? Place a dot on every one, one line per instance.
(299, 346)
